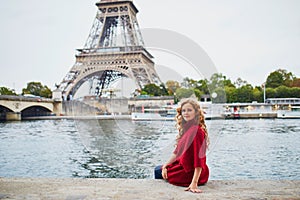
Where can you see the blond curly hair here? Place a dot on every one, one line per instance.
(199, 117)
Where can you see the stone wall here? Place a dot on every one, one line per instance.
(136, 104)
(124, 106)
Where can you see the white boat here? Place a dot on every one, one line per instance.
(211, 111)
(249, 110)
(155, 114)
(292, 113)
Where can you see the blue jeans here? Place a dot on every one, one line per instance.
(157, 172)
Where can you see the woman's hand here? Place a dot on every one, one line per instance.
(164, 172)
(193, 188)
(194, 184)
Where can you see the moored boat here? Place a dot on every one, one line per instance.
(155, 114)
(249, 110)
(211, 111)
(292, 113)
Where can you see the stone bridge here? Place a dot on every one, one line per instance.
(20, 107)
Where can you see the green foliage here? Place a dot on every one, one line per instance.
(189, 83)
(143, 93)
(279, 84)
(203, 86)
(218, 95)
(244, 94)
(282, 92)
(218, 80)
(240, 82)
(164, 91)
(217, 85)
(7, 91)
(37, 89)
(275, 79)
(231, 94)
(172, 86)
(198, 93)
(154, 90)
(280, 77)
(258, 94)
(270, 93)
(184, 93)
(294, 92)
(296, 82)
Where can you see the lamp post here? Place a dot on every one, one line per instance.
(264, 88)
(175, 98)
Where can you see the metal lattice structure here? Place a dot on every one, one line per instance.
(114, 49)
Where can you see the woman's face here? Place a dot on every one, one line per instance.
(188, 112)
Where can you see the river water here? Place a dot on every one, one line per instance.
(239, 149)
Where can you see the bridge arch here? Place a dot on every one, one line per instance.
(3, 111)
(35, 111)
(10, 107)
(105, 77)
(36, 104)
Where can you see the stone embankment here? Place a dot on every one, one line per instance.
(104, 189)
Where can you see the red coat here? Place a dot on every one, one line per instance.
(190, 153)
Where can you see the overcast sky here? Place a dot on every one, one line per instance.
(246, 39)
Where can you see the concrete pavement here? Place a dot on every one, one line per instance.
(104, 189)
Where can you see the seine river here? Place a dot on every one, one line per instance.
(239, 149)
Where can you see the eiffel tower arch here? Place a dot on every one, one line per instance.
(113, 49)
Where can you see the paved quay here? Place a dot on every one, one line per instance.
(105, 189)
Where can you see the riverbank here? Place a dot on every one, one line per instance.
(100, 117)
(86, 189)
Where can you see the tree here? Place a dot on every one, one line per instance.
(163, 89)
(7, 91)
(203, 86)
(218, 80)
(231, 94)
(228, 83)
(37, 89)
(218, 95)
(216, 85)
(270, 93)
(294, 92)
(287, 92)
(240, 82)
(189, 83)
(200, 87)
(172, 86)
(152, 90)
(296, 82)
(245, 94)
(280, 77)
(258, 94)
(46, 92)
(288, 77)
(184, 93)
(274, 80)
(198, 93)
(282, 92)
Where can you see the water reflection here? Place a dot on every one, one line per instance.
(240, 149)
(121, 149)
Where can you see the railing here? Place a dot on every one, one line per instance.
(283, 101)
(24, 98)
(115, 50)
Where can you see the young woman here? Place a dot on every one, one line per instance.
(187, 165)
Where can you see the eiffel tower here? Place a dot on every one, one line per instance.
(114, 49)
